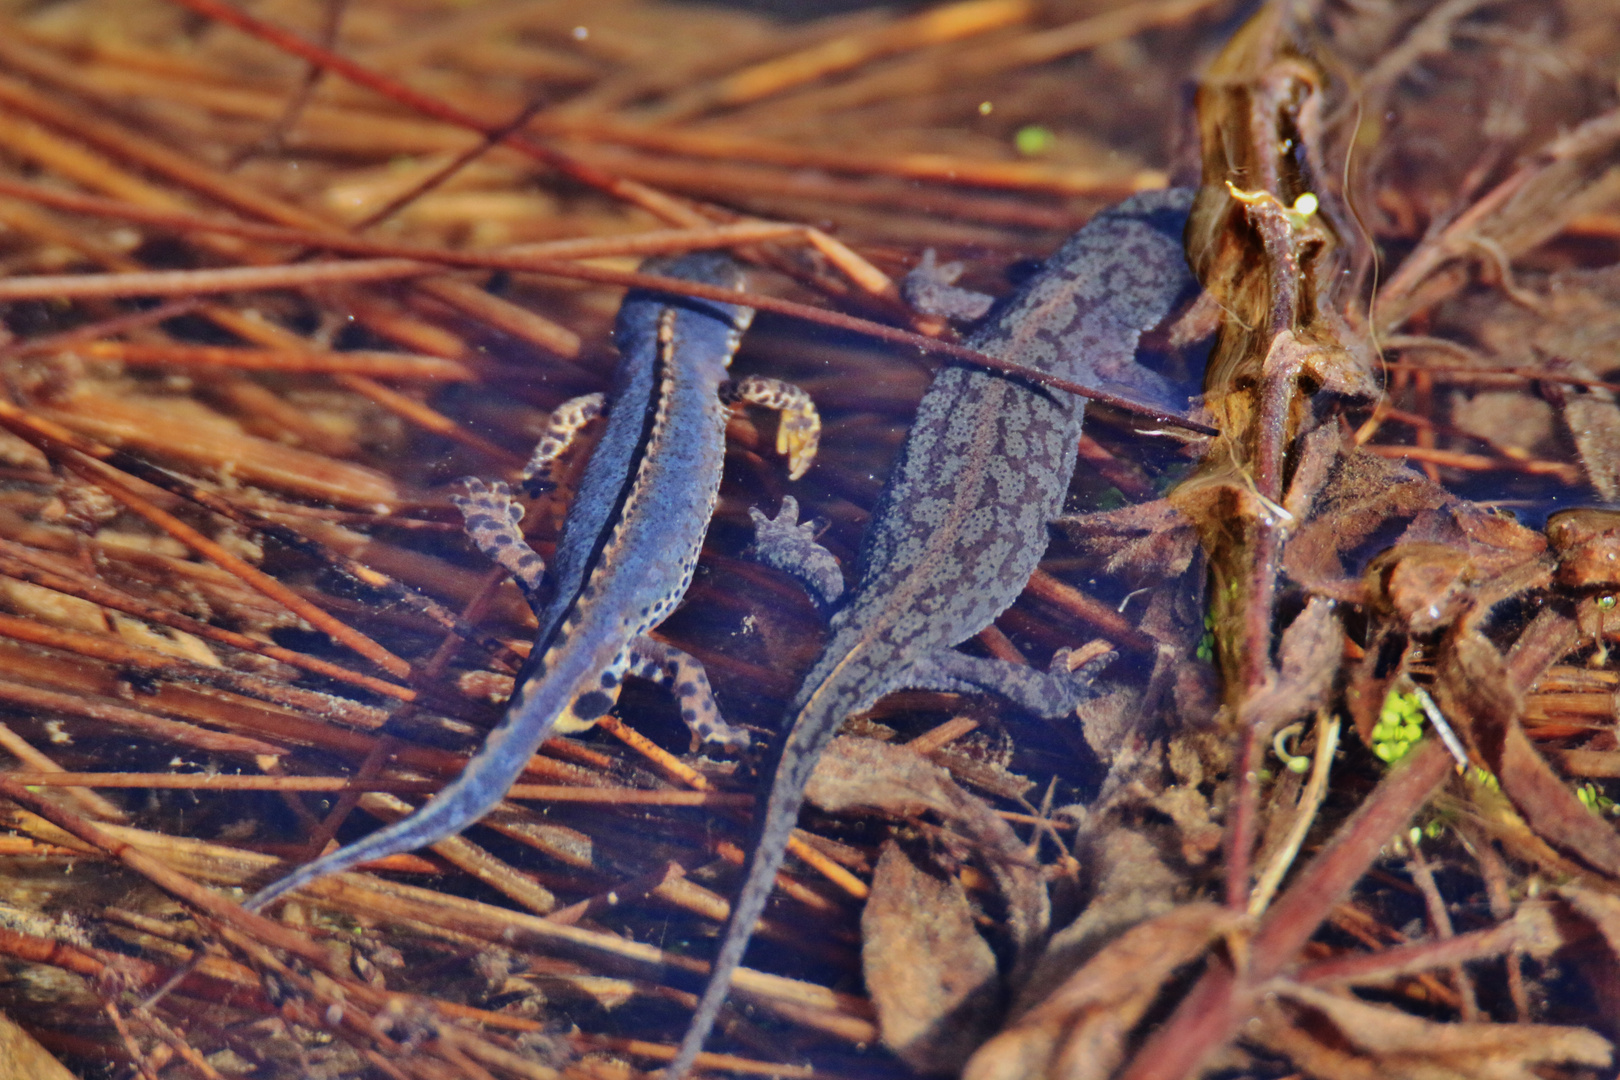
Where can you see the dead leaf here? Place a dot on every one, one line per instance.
(1312, 648)
(1515, 420)
(1600, 966)
(1494, 542)
(1108, 719)
(1132, 884)
(1340, 1037)
(1593, 422)
(931, 976)
(1078, 1032)
(1454, 561)
(1187, 807)
(1148, 542)
(863, 773)
(1577, 318)
(1363, 494)
(1486, 702)
(1601, 909)
(1587, 542)
(1424, 587)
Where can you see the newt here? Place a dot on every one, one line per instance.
(626, 552)
(960, 525)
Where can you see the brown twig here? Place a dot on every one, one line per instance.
(106, 478)
(649, 199)
(171, 282)
(551, 793)
(1223, 999)
(26, 564)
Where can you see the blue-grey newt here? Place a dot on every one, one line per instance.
(626, 552)
(960, 525)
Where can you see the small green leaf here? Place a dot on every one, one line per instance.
(1034, 140)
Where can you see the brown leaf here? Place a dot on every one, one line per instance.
(1362, 495)
(1318, 454)
(864, 773)
(1486, 701)
(1079, 1031)
(1422, 586)
(930, 975)
(1514, 420)
(1340, 1037)
(1593, 421)
(1577, 319)
(1601, 909)
(1312, 648)
(1587, 541)
(1454, 561)
(1107, 720)
(1189, 809)
(1493, 542)
(1151, 540)
(1600, 966)
(1132, 884)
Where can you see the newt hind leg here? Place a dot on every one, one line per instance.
(1052, 694)
(669, 666)
(567, 420)
(492, 519)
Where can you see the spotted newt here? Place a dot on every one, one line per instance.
(626, 552)
(960, 525)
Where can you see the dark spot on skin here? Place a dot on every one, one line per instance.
(501, 540)
(689, 715)
(609, 680)
(685, 689)
(593, 703)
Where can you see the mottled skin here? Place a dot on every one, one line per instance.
(626, 553)
(962, 523)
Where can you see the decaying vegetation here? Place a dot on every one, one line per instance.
(274, 281)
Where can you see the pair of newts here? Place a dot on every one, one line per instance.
(958, 529)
